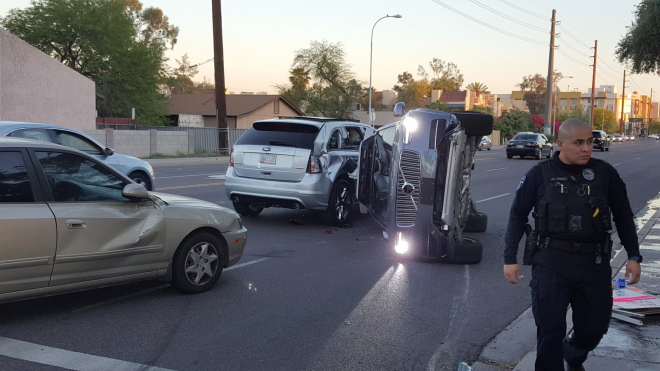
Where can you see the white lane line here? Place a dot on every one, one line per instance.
(246, 264)
(184, 176)
(617, 164)
(217, 177)
(485, 158)
(66, 359)
(492, 198)
(502, 168)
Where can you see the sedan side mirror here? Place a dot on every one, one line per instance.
(136, 191)
(108, 152)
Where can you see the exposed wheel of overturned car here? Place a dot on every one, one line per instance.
(470, 251)
(476, 223)
(476, 124)
(197, 263)
(247, 209)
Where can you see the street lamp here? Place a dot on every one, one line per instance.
(371, 52)
(552, 128)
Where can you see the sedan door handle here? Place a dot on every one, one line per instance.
(75, 224)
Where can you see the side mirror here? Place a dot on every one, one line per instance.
(399, 109)
(135, 191)
(108, 152)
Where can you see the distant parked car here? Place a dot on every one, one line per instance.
(529, 144)
(485, 144)
(69, 222)
(138, 170)
(297, 163)
(600, 140)
(617, 138)
(631, 137)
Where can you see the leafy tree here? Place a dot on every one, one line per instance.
(578, 113)
(487, 110)
(654, 128)
(414, 94)
(334, 87)
(477, 87)
(113, 42)
(514, 122)
(605, 120)
(534, 88)
(402, 80)
(640, 47)
(439, 106)
(180, 80)
(446, 75)
(538, 123)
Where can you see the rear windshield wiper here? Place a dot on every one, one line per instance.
(281, 143)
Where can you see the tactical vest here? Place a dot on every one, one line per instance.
(574, 207)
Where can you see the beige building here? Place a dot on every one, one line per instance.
(198, 110)
(34, 87)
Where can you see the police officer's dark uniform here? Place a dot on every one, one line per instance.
(572, 205)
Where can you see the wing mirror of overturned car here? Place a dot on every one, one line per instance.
(136, 191)
(399, 109)
(108, 152)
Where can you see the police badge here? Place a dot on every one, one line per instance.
(588, 174)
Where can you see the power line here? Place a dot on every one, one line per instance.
(525, 10)
(609, 74)
(575, 28)
(489, 26)
(564, 42)
(608, 66)
(535, 28)
(539, 5)
(573, 37)
(571, 58)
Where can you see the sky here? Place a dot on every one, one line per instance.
(262, 36)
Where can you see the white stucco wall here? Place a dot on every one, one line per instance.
(36, 88)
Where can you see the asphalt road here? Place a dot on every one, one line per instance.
(312, 297)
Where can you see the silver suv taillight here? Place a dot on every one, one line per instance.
(314, 165)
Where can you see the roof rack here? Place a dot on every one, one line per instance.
(319, 119)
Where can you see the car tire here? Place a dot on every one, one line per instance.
(187, 274)
(141, 178)
(340, 204)
(476, 223)
(509, 156)
(476, 124)
(607, 149)
(470, 251)
(480, 148)
(602, 149)
(246, 209)
(489, 148)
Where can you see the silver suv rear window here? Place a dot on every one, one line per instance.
(284, 134)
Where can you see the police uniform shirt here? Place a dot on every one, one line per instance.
(532, 188)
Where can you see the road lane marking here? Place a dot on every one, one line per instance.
(617, 164)
(189, 186)
(485, 158)
(246, 264)
(45, 355)
(218, 177)
(184, 176)
(502, 168)
(492, 198)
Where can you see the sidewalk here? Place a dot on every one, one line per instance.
(624, 347)
(187, 161)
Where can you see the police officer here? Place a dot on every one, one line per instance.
(573, 196)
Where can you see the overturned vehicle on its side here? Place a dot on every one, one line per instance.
(414, 180)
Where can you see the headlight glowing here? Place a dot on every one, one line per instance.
(409, 126)
(401, 246)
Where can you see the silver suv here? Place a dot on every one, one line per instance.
(296, 163)
(414, 179)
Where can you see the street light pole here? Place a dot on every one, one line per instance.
(371, 52)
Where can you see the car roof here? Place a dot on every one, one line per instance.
(314, 121)
(8, 142)
(7, 126)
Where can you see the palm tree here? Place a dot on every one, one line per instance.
(477, 88)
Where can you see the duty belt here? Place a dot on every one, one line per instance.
(570, 246)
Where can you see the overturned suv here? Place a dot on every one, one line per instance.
(414, 179)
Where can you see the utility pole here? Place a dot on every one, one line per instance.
(549, 83)
(623, 101)
(220, 98)
(593, 86)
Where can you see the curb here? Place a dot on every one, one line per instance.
(515, 347)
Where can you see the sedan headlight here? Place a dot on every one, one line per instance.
(401, 246)
(409, 127)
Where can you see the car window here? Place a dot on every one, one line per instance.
(280, 134)
(388, 135)
(525, 137)
(73, 177)
(77, 141)
(335, 140)
(14, 180)
(355, 136)
(36, 134)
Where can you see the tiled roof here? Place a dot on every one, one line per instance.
(452, 96)
(204, 104)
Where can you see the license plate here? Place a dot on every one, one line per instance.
(519, 146)
(268, 159)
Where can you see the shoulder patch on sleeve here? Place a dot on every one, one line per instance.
(522, 182)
